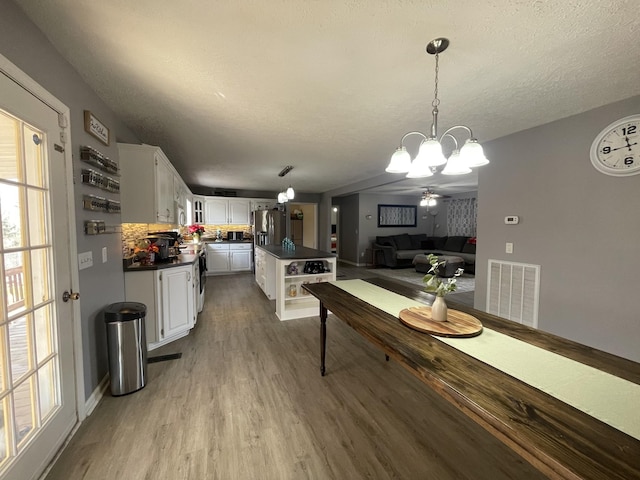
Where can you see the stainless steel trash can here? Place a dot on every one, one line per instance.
(127, 345)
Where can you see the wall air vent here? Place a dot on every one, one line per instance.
(513, 291)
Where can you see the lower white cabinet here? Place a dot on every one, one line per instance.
(217, 257)
(169, 296)
(229, 257)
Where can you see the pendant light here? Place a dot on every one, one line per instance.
(430, 155)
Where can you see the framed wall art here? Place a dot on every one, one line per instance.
(397, 215)
(95, 127)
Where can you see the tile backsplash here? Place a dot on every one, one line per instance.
(131, 232)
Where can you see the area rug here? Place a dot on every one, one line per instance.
(465, 283)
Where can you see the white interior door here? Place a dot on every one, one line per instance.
(38, 405)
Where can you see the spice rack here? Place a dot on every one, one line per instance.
(100, 177)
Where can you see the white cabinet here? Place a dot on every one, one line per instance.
(169, 296)
(217, 257)
(198, 209)
(146, 185)
(265, 273)
(240, 257)
(177, 300)
(239, 211)
(263, 204)
(229, 257)
(216, 210)
(224, 211)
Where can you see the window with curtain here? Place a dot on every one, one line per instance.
(462, 214)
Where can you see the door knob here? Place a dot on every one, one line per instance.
(66, 296)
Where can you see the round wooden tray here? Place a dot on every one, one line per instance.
(458, 324)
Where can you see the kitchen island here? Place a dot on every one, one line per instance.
(281, 274)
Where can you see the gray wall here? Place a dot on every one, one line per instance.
(348, 228)
(581, 226)
(25, 46)
(369, 227)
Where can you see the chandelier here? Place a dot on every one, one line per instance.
(430, 153)
(288, 194)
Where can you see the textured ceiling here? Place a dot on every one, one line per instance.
(235, 90)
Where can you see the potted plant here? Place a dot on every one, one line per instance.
(434, 284)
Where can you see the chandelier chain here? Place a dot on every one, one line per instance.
(436, 100)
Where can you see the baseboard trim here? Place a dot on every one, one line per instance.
(96, 396)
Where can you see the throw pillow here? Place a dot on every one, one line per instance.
(438, 242)
(403, 241)
(455, 244)
(417, 239)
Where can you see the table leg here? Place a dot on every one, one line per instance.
(323, 336)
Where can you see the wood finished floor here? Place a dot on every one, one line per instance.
(246, 401)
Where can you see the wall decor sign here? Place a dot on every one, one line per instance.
(95, 127)
(397, 215)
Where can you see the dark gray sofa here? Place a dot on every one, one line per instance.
(397, 251)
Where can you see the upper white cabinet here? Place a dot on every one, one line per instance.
(263, 204)
(147, 185)
(198, 209)
(219, 210)
(239, 211)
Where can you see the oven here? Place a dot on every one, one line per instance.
(202, 274)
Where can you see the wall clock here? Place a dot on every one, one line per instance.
(616, 150)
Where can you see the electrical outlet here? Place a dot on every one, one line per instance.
(509, 247)
(85, 260)
(104, 254)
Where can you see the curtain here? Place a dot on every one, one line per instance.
(462, 214)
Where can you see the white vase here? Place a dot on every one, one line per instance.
(195, 238)
(439, 310)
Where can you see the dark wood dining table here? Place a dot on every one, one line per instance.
(555, 437)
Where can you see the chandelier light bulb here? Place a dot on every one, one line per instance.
(431, 153)
(282, 197)
(419, 170)
(472, 154)
(400, 161)
(456, 165)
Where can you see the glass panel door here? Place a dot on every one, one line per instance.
(37, 389)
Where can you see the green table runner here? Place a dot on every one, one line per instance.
(606, 397)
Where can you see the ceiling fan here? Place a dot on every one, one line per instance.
(429, 198)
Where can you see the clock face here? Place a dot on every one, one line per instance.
(616, 150)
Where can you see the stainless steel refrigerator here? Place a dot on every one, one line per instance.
(269, 227)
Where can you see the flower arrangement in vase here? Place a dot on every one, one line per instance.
(196, 230)
(434, 284)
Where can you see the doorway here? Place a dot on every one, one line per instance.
(38, 394)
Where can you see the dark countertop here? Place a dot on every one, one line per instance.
(300, 253)
(179, 261)
(212, 240)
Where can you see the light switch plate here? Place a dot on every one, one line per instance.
(104, 254)
(509, 247)
(85, 260)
